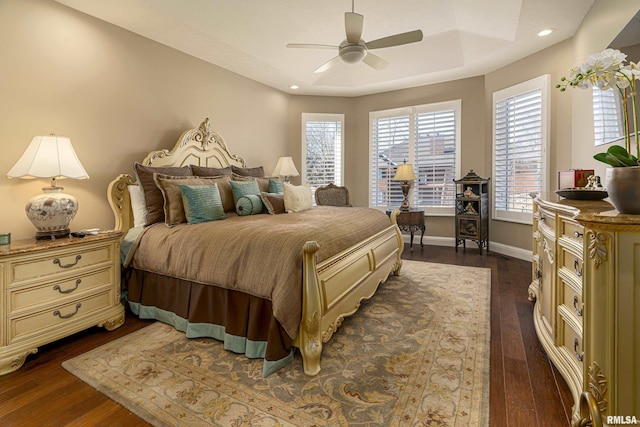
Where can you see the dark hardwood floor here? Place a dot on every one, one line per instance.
(525, 388)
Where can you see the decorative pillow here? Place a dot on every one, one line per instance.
(249, 205)
(257, 172)
(263, 183)
(297, 198)
(276, 186)
(138, 206)
(152, 195)
(244, 188)
(207, 171)
(174, 210)
(273, 202)
(202, 203)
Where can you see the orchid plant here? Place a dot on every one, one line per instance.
(607, 70)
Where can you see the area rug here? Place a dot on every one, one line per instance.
(417, 354)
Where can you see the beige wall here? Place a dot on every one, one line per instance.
(117, 96)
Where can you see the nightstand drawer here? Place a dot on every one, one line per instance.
(31, 296)
(59, 316)
(547, 221)
(62, 261)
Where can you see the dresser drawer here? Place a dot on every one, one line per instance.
(27, 297)
(572, 345)
(22, 327)
(571, 298)
(570, 263)
(63, 261)
(572, 230)
(547, 221)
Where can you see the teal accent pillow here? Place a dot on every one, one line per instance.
(249, 205)
(244, 188)
(202, 203)
(275, 186)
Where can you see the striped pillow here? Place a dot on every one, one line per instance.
(249, 205)
(244, 188)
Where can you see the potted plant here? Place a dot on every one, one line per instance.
(607, 70)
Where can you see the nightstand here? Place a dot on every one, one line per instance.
(411, 221)
(50, 289)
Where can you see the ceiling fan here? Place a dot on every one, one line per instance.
(353, 49)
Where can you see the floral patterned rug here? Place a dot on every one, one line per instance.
(417, 354)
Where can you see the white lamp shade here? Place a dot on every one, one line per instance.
(285, 167)
(49, 157)
(405, 173)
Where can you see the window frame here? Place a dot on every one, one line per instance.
(412, 112)
(321, 117)
(542, 84)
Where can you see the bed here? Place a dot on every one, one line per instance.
(323, 279)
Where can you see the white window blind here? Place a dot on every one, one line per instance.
(607, 116)
(519, 148)
(426, 136)
(322, 146)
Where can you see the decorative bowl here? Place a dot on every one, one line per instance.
(582, 193)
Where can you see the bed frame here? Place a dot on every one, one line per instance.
(332, 289)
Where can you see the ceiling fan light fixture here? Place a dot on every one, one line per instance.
(352, 53)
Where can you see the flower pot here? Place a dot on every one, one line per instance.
(623, 186)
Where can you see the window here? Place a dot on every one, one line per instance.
(607, 116)
(520, 135)
(322, 136)
(428, 137)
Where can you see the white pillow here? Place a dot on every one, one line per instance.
(138, 206)
(297, 198)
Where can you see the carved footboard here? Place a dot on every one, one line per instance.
(335, 288)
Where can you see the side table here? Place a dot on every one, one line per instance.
(411, 221)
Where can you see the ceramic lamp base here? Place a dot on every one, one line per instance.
(51, 213)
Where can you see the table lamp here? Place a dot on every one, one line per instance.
(285, 168)
(405, 174)
(50, 157)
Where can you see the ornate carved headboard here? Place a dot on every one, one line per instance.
(202, 147)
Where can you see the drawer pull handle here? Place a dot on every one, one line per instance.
(576, 264)
(579, 356)
(575, 305)
(68, 291)
(57, 261)
(577, 234)
(542, 218)
(66, 316)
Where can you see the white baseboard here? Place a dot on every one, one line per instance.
(512, 251)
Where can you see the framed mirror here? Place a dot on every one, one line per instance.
(608, 120)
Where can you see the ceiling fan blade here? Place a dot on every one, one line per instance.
(374, 61)
(396, 40)
(324, 67)
(353, 26)
(311, 46)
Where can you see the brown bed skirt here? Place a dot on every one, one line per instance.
(239, 314)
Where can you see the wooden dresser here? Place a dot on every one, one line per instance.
(586, 285)
(53, 288)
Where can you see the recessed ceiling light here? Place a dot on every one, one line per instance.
(294, 87)
(545, 32)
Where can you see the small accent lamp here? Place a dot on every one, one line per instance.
(50, 157)
(405, 174)
(285, 168)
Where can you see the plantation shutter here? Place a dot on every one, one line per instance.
(435, 158)
(518, 152)
(390, 147)
(607, 120)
